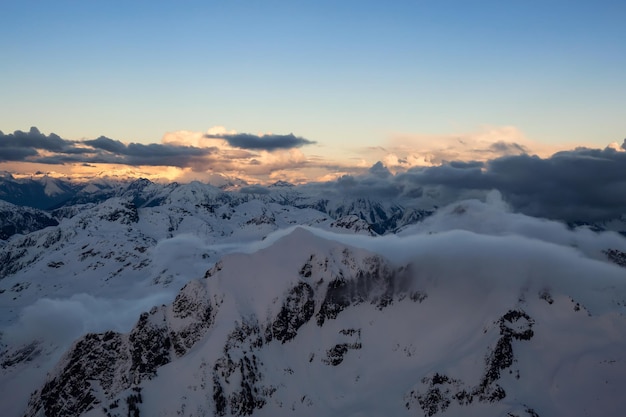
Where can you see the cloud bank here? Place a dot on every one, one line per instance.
(192, 155)
(35, 147)
(582, 184)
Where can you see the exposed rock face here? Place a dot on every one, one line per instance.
(290, 325)
(353, 281)
(354, 224)
(240, 363)
(297, 309)
(438, 391)
(100, 366)
(616, 256)
(124, 212)
(335, 355)
(374, 282)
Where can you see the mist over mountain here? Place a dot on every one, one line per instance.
(140, 298)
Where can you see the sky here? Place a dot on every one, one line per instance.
(306, 91)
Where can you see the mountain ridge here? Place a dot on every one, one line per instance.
(304, 305)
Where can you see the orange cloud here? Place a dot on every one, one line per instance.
(406, 150)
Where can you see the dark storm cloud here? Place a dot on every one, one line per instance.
(508, 148)
(583, 184)
(106, 144)
(376, 183)
(468, 164)
(578, 185)
(12, 153)
(266, 142)
(27, 146)
(20, 146)
(151, 154)
(33, 139)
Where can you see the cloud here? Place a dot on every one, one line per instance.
(580, 184)
(406, 150)
(34, 139)
(263, 142)
(583, 184)
(106, 144)
(35, 147)
(20, 146)
(60, 321)
(253, 166)
(492, 246)
(13, 153)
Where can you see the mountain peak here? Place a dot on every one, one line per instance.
(281, 183)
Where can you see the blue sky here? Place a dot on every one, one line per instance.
(343, 74)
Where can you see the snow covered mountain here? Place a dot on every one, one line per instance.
(43, 192)
(311, 326)
(294, 304)
(55, 194)
(23, 220)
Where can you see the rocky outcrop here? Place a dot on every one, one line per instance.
(616, 256)
(374, 282)
(354, 224)
(100, 366)
(297, 309)
(438, 391)
(100, 369)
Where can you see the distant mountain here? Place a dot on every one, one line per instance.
(384, 215)
(58, 195)
(22, 220)
(41, 193)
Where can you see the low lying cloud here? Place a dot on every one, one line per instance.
(60, 321)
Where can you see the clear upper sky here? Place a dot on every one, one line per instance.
(341, 73)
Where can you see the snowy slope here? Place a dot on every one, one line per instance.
(22, 220)
(108, 261)
(308, 325)
(341, 320)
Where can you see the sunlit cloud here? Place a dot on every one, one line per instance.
(406, 150)
(223, 156)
